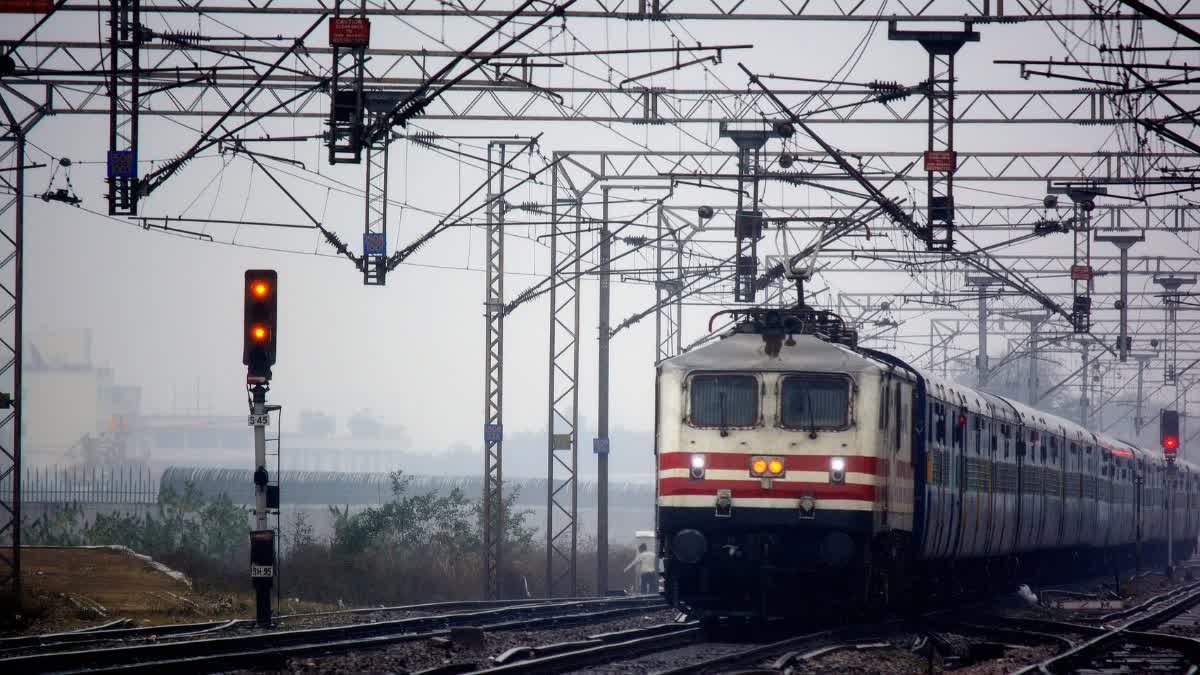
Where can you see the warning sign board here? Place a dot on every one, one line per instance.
(941, 160)
(26, 6)
(349, 32)
(1081, 273)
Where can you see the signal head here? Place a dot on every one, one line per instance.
(259, 324)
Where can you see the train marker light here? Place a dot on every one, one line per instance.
(697, 467)
(766, 467)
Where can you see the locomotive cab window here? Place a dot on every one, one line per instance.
(815, 401)
(723, 401)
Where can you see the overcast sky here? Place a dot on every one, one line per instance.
(165, 311)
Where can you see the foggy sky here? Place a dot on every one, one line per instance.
(165, 311)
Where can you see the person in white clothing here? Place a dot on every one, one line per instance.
(647, 567)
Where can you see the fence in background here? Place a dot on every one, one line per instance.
(86, 485)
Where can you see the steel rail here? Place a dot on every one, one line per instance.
(1136, 630)
(271, 647)
(639, 642)
(105, 633)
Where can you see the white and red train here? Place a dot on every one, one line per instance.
(791, 463)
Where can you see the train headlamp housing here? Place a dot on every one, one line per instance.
(767, 467)
(837, 470)
(696, 467)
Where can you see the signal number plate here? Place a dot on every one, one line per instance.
(261, 571)
(256, 420)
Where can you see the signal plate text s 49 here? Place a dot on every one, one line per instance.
(261, 571)
(256, 420)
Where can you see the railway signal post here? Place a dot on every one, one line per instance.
(258, 355)
(1168, 432)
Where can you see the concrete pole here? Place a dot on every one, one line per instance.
(1085, 383)
(602, 446)
(982, 358)
(1034, 328)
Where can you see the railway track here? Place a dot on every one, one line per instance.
(1134, 644)
(271, 649)
(120, 631)
(595, 650)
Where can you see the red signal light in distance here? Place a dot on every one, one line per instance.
(1170, 442)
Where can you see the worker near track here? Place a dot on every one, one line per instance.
(647, 567)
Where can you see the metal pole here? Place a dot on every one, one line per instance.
(981, 361)
(1122, 348)
(493, 453)
(1083, 387)
(602, 446)
(1034, 326)
(1137, 417)
(262, 586)
(550, 504)
(1170, 519)
(17, 347)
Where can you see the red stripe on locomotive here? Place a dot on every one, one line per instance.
(674, 487)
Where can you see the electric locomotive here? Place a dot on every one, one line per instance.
(796, 468)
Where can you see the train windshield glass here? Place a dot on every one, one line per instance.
(815, 401)
(724, 401)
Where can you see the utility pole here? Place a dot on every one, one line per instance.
(1035, 326)
(1171, 284)
(1123, 241)
(1139, 422)
(601, 444)
(981, 283)
(1085, 384)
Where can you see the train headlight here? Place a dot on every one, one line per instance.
(766, 467)
(837, 470)
(696, 471)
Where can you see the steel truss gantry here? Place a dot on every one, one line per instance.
(124, 104)
(15, 126)
(977, 11)
(494, 517)
(185, 90)
(562, 495)
(375, 252)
